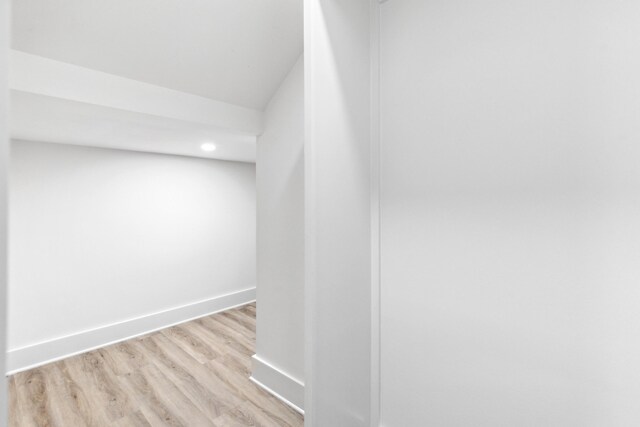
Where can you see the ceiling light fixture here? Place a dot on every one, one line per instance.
(208, 147)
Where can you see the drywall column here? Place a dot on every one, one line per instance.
(510, 213)
(279, 361)
(4, 173)
(338, 215)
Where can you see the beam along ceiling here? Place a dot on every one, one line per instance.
(236, 51)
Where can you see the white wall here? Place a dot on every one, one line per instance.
(280, 290)
(510, 213)
(4, 173)
(338, 212)
(104, 236)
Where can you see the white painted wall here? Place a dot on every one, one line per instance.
(338, 212)
(104, 236)
(280, 245)
(510, 213)
(4, 174)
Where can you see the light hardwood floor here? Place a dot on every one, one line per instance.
(194, 374)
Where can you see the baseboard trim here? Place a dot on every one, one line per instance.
(278, 383)
(31, 356)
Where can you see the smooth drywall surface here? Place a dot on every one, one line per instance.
(104, 236)
(510, 213)
(338, 232)
(4, 173)
(280, 233)
(234, 51)
(43, 76)
(37, 117)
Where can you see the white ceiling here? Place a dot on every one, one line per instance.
(43, 118)
(236, 51)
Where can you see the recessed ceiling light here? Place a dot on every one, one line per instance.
(208, 147)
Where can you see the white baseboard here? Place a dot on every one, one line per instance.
(279, 383)
(31, 356)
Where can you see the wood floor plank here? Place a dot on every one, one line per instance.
(194, 374)
(227, 420)
(236, 328)
(91, 402)
(259, 400)
(122, 358)
(230, 352)
(192, 344)
(165, 399)
(231, 338)
(69, 405)
(224, 396)
(241, 319)
(249, 309)
(213, 401)
(238, 332)
(19, 412)
(137, 419)
(33, 387)
(116, 399)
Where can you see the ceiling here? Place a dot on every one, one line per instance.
(43, 118)
(235, 51)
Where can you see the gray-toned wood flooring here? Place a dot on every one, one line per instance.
(193, 374)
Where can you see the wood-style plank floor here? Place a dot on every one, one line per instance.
(194, 374)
